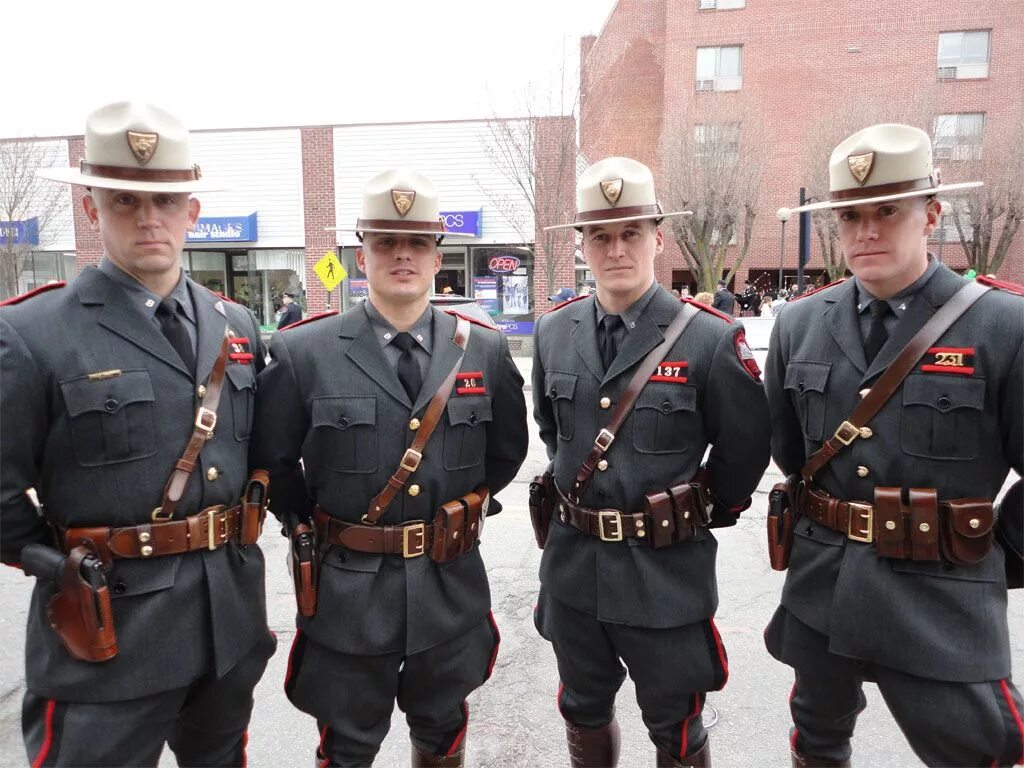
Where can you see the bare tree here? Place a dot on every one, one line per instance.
(25, 197)
(987, 218)
(713, 165)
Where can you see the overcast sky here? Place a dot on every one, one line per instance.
(221, 64)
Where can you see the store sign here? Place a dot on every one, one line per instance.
(20, 232)
(463, 222)
(224, 229)
(518, 327)
(503, 264)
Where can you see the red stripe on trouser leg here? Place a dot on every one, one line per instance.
(720, 648)
(51, 705)
(322, 749)
(695, 710)
(1012, 706)
(792, 738)
(558, 698)
(245, 743)
(457, 742)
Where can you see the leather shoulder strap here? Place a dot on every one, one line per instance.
(432, 416)
(636, 385)
(893, 376)
(202, 430)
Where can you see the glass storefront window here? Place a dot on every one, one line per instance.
(503, 286)
(38, 268)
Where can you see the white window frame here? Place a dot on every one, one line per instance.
(962, 66)
(719, 81)
(961, 143)
(720, 5)
(711, 133)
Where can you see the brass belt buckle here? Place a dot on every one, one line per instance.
(846, 433)
(615, 518)
(419, 544)
(604, 439)
(411, 460)
(865, 512)
(211, 539)
(206, 421)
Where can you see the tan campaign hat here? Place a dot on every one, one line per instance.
(616, 189)
(400, 201)
(883, 162)
(134, 146)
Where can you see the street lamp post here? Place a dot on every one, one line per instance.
(783, 215)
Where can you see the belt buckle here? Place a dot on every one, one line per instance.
(604, 439)
(616, 517)
(206, 421)
(865, 511)
(411, 460)
(418, 529)
(846, 433)
(211, 539)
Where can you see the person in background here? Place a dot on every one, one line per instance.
(291, 313)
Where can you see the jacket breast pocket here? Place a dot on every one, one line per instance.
(111, 419)
(941, 416)
(242, 394)
(805, 383)
(345, 433)
(663, 418)
(561, 389)
(465, 439)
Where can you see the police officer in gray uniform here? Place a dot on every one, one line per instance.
(348, 396)
(607, 594)
(878, 586)
(104, 385)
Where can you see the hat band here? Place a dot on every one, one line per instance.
(618, 213)
(122, 173)
(433, 227)
(883, 189)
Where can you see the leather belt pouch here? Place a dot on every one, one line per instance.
(305, 561)
(780, 526)
(889, 525)
(660, 511)
(254, 507)
(924, 524)
(966, 533)
(672, 514)
(80, 612)
(542, 490)
(457, 525)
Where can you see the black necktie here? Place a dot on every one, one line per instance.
(877, 334)
(175, 331)
(609, 346)
(408, 369)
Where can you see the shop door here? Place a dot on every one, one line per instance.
(452, 275)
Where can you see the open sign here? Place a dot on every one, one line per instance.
(503, 264)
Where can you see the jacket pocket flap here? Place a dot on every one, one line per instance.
(561, 385)
(140, 577)
(82, 394)
(668, 398)
(944, 393)
(344, 412)
(242, 376)
(469, 410)
(806, 375)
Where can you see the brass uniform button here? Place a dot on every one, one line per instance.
(201, 391)
(664, 523)
(606, 403)
(602, 464)
(414, 490)
(863, 471)
(866, 432)
(212, 474)
(414, 424)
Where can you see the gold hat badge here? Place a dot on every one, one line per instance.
(403, 200)
(143, 145)
(612, 190)
(860, 166)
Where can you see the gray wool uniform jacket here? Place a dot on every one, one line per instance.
(661, 444)
(99, 451)
(330, 398)
(958, 431)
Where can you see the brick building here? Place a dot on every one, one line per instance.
(955, 69)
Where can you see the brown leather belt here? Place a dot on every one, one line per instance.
(854, 518)
(605, 524)
(411, 539)
(210, 529)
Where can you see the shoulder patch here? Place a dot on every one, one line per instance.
(746, 357)
(309, 319)
(565, 303)
(706, 308)
(34, 292)
(819, 290)
(469, 319)
(1002, 285)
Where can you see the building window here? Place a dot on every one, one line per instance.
(963, 55)
(716, 142)
(959, 136)
(720, 68)
(720, 5)
(946, 231)
(503, 286)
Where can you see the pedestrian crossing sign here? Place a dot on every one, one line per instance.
(330, 271)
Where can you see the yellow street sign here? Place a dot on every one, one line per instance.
(330, 271)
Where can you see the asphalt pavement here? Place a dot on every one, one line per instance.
(513, 718)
